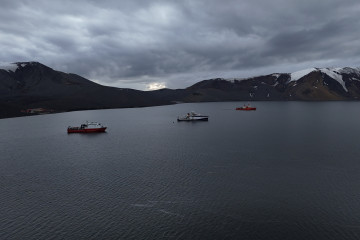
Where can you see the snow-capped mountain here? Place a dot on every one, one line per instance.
(308, 84)
(335, 73)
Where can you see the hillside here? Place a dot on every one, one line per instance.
(34, 85)
(315, 84)
(29, 85)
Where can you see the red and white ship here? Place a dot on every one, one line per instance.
(246, 108)
(88, 127)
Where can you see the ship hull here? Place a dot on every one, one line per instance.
(246, 109)
(88, 130)
(192, 119)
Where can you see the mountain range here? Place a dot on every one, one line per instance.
(28, 85)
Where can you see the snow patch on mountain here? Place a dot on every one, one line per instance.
(348, 70)
(276, 75)
(8, 66)
(299, 74)
(232, 80)
(334, 74)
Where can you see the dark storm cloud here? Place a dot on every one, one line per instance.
(176, 43)
(331, 39)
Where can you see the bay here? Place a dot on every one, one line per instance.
(289, 170)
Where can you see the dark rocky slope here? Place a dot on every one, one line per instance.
(34, 85)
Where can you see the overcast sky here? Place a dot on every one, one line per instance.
(144, 44)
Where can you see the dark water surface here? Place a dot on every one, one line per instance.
(290, 170)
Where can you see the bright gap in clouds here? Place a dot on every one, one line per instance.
(155, 86)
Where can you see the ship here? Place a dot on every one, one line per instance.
(246, 108)
(192, 116)
(88, 127)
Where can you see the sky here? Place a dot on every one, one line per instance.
(146, 45)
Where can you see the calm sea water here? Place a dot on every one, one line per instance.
(290, 170)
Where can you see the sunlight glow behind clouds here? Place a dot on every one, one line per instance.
(155, 86)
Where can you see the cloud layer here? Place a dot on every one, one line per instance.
(147, 44)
